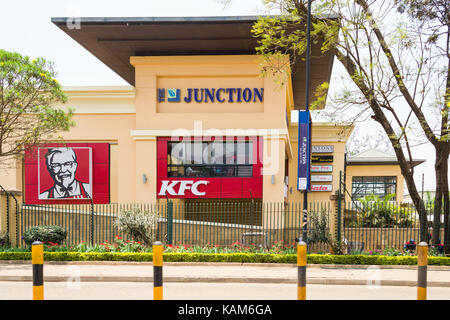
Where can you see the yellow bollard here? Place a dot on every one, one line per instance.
(422, 259)
(37, 259)
(301, 266)
(157, 270)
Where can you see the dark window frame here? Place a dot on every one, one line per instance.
(368, 185)
(213, 170)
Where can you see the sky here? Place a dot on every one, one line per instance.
(25, 27)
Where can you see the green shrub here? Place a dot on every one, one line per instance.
(228, 257)
(138, 224)
(4, 239)
(45, 234)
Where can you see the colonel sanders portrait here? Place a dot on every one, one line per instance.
(62, 165)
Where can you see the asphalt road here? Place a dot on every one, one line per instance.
(211, 291)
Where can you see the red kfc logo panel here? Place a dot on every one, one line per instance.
(209, 167)
(67, 173)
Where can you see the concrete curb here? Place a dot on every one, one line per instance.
(323, 281)
(219, 279)
(231, 264)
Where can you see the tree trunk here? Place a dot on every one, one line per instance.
(420, 207)
(445, 195)
(438, 197)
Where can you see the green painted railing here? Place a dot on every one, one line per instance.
(191, 223)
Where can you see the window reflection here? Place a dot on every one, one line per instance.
(220, 158)
(379, 186)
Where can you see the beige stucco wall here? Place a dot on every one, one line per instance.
(322, 134)
(102, 114)
(266, 119)
(131, 119)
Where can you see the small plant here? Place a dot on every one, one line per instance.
(45, 234)
(436, 250)
(392, 252)
(318, 231)
(337, 247)
(139, 225)
(377, 212)
(4, 239)
(410, 246)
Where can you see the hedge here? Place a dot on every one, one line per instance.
(228, 257)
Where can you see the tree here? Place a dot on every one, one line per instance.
(435, 15)
(396, 72)
(28, 95)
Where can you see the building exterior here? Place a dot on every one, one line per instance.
(375, 172)
(197, 123)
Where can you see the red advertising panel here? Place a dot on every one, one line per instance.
(209, 167)
(67, 173)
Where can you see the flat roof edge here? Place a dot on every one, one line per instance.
(181, 19)
(124, 20)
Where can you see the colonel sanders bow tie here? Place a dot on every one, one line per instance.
(66, 191)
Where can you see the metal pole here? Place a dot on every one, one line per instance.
(92, 222)
(37, 259)
(339, 211)
(422, 259)
(308, 53)
(301, 270)
(158, 270)
(169, 222)
(7, 210)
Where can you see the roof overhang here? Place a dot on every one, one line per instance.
(114, 40)
(380, 162)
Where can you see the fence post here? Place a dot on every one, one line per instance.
(301, 270)
(422, 259)
(91, 235)
(339, 208)
(158, 270)
(37, 258)
(169, 222)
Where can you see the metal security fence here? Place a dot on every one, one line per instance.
(383, 225)
(190, 222)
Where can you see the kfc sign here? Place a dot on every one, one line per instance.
(67, 173)
(61, 164)
(168, 187)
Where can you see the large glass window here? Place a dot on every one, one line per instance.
(210, 159)
(379, 186)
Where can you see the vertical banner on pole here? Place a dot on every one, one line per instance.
(304, 151)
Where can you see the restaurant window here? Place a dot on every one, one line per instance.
(378, 186)
(210, 159)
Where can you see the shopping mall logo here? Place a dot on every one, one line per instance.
(207, 95)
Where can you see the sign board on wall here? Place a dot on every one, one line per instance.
(315, 158)
(321, 178)
(205, 95)
(67, 173)
(206, 186)
(322, 149)
(321, 168)
(321, 187)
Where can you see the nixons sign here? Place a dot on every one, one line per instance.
(210, 95)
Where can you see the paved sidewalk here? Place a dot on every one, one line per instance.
(225, 272)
